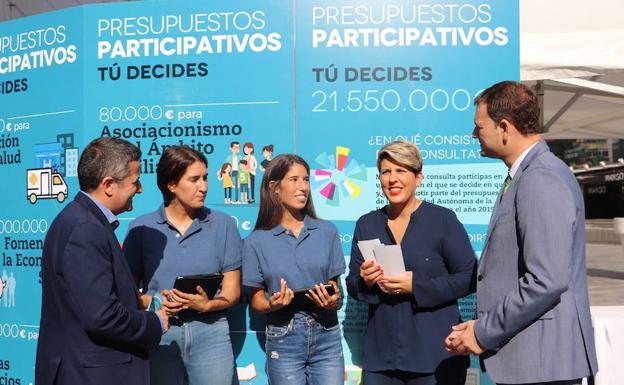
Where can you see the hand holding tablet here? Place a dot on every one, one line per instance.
(210, 283)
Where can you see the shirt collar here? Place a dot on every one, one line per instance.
(309, 223)
(516, 165)
(110, 217)
(203, 215)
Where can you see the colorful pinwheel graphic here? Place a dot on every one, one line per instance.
(338, 172)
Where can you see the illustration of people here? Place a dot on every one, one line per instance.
(5, 296)
(243, 180)
(267, 154)
(234, 159)
(252, 165)
(225, 175)
(10, 286)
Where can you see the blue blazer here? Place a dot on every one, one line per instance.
(92, 329)
(406, 332)
(532, 303)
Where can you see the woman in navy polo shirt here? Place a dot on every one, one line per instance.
(290, 249)
(183, 237)
(410, 315)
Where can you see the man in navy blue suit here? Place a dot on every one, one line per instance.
(93, 328)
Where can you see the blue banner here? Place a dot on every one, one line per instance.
(243, 80)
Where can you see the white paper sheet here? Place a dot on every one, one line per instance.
(391, 258)
(366, 248)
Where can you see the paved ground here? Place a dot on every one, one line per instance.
(605, 272)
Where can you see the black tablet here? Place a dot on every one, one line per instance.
(301, 301)
(209, 282)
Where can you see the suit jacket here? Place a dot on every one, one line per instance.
(92, 329)
(532, 302)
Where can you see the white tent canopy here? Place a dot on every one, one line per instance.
(564, 40)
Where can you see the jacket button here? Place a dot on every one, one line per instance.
(479, 277)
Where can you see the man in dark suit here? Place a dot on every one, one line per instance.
(93, 329)
(533, 324)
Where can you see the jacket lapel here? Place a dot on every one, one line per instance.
(495, 214)
(502, 201)
(86, 202)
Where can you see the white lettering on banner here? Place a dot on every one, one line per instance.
(146, 36)
(38, 59)
(9, 330)
(391, 25)
(181, 24)
(189, 45)
(478, 237)
(408, 37)
(23, 226)
(244, 224)
(15, 331)
(383, 13)
(390, 100)
(346, 238)
(40, 38)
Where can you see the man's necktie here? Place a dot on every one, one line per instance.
(506, 183)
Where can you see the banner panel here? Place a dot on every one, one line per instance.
(40, 139)
(243, 81)
(372, 72)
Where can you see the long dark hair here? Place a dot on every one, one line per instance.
(271, 208)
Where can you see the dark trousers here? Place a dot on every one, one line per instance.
(568, 382)
(451, 371)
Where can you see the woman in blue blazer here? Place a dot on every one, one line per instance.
(410, 314)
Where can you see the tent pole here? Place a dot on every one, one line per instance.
(563, 109)
(539, 91)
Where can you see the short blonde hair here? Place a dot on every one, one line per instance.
(402, 152)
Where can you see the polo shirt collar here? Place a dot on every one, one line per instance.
(277, 230)
(202, 216)
(309, 223)
(162, 216)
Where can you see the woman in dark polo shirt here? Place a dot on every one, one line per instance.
(410, 315)
(291, 249)
(183, 237)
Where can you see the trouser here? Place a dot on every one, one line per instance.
(193, 353)
(304, 352)
(451, 371)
